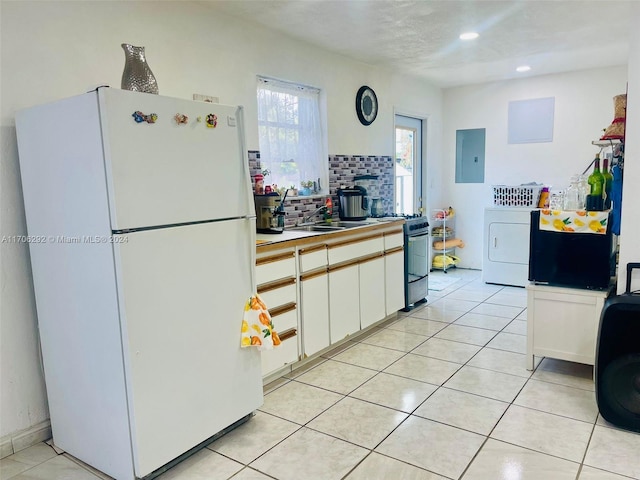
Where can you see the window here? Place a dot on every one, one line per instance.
(290, 135)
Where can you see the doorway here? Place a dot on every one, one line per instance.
(408, 165)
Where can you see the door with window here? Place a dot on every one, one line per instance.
(408, 165)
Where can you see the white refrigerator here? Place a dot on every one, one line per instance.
(141, 232)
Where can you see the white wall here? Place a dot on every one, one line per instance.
(57, 49)
(630, 225)
(583, 107)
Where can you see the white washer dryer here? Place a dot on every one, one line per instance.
(506, 245)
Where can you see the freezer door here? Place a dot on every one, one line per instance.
(182, 292)
(166, 172)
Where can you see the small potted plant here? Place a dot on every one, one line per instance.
(293, 191)
(306, 187)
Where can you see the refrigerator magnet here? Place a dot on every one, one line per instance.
(181, 119)
(140, 117)
(212, 121)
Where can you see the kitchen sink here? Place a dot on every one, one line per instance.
(341, 224)
(332, 226)
(317, 228)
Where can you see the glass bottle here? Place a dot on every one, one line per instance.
(573, 194)
(608, 182)
(596, 180)
(585, 189)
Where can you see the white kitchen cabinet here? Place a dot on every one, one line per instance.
(276, 276)
(372, 291)
(563, 323)
(506, 246)
(394, 280)
(344, 301)
(314, 300)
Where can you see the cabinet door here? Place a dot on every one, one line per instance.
(394, 281)
(372, 291)
(314, 301)
(509, 243)
(344, 306)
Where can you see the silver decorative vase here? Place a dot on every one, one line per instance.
(137, 76)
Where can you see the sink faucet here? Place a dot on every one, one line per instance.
(307, 218)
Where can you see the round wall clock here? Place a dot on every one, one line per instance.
(366, 105)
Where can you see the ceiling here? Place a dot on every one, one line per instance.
(420, 38)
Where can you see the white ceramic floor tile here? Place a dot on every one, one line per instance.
(25, 459)
(437, 314)
(369, 356)
(502, 298)
(559, 400)
(56, 468)
(299, 402)
(462, 410)
(589, 473)
(543, 432)
(470, 295)
(358, 422)
(420, 326)
(488, 322)
(471, 335)
(565, 373)
(522, 316)
(377, 466)
(501, 461)
(433, 446)
(340, 348)
(515, 291)
(337, 376)
(395, 392)
(509, 342)
(497, 310)
(454, 304)
(395, 339)
(253, 438)
(487, 383)
(305, 367)
(518, 327)
(447, 350)
(423, 369)
(250, 474)
(615, 451)
(312, 455)
(203, 465)
(501, 361)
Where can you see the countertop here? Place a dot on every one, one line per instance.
(291, 237)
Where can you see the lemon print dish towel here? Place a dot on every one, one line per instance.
(578, 221)
(257, 327)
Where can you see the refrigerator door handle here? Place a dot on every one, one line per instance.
(495, 242)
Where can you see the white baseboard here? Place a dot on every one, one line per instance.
(17, 441)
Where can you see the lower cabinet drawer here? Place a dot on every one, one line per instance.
(278, 296)
(286, 320)
(285, 353)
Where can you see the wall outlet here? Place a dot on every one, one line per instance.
(205, 98)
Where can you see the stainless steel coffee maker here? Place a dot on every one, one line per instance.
(269, 213)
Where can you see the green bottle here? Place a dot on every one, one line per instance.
(596, 179)
(608, 182)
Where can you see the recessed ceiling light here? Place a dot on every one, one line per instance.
(468, 36)
(523, 68)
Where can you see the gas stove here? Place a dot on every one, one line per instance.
(415, 224)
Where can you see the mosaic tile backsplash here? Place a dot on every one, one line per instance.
(342, 170)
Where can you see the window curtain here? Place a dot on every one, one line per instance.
(290, 135)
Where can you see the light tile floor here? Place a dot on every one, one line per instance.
(440, 393)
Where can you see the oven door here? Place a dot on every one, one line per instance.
(416, 268)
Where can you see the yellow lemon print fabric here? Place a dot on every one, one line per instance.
(578, 221)
(257, 327)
